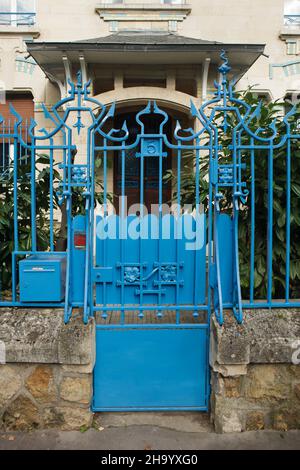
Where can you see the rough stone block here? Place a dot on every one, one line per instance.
(88, 369)
(53, 418)
(264, 337)
(76, 389)
(229, 347)
(41, 384)
(233, 370)
(297, 391)
(263, 382)
(295, 371)
(68, 418)
(228, 422)
(83, 336)
(21, 415)
(10, 383)
(232, 387)
(41, 337)
(286, 419)
(255, 421)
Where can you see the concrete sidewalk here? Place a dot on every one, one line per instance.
(150, 431)
(149, 438)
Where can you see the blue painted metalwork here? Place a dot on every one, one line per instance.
(161, 274)
(42, 278)
(169, 370)
(155, 273)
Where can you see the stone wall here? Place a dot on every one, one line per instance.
(255, 384)
(47, 379)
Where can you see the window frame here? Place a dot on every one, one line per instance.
(14, 18)
(172, 2)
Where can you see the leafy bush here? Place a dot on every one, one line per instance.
(24, 214)
(263, 121)
(42, 211)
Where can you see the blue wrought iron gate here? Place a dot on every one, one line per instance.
(149, 276)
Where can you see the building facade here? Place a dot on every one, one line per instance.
(45, 43)
(132, 52)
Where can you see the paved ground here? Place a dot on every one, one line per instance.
(149, 438)
(150, 431)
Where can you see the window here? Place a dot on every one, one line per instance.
(17, 12)
(24, 105)
(291, 47)
(173, 2)
(292, 13)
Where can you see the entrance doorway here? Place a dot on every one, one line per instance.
(133, 170)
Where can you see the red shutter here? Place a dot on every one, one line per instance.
(23, 104)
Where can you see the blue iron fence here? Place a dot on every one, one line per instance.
(239, 177)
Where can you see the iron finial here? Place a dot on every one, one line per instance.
(225, 67)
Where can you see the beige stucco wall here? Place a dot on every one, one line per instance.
(233, 21)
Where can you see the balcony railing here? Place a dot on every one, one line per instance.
(17, 19)
(292, 20)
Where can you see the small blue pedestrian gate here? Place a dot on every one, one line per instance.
(150, 214)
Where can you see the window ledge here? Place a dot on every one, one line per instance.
(143, 6)
(20, 30)
(145, 12)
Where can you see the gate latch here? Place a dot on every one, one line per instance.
(102, 275)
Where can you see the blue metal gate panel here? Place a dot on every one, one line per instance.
(143, 369)
(154, 268)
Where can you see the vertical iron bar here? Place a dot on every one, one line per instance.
(252, 203)
(178, 225)
(196, 257)
(15, 176)
(105, 219)
(89, 235)
(92, 232)
(270, 224)
(160, 201)
(51, 198)
(288, 217)
(16, 227)
(33, 197)
(122, 228)
(142, 201)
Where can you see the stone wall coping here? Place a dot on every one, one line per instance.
(41, 337)
(266, 336)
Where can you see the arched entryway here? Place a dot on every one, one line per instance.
(150, 187)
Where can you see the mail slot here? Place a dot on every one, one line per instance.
(42, 278)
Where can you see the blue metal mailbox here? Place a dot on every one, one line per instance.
(42, 278)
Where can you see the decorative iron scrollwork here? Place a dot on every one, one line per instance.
(168, 273)
(132, 274)
(79, 174)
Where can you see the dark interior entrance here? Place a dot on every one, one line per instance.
(133, 164)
